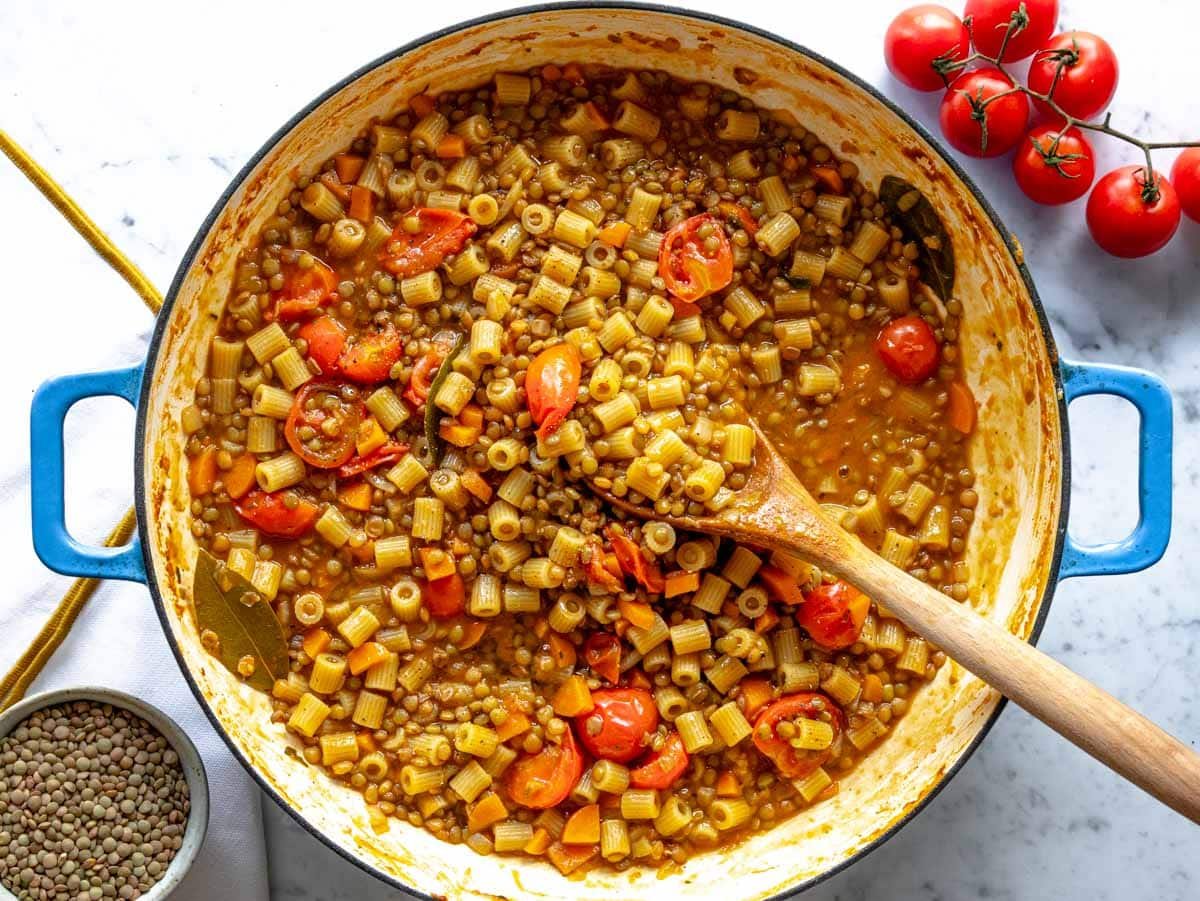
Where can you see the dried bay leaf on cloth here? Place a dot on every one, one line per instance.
(915, 215)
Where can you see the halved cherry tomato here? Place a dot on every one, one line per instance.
(660, 769)
(439, 234)
(426, 368)
(736, 214)
(908, 348)
(794, 763)
(389, 453)
(323, 425)
(551, 386)
(445, 597)
(602, 652)
(632, 563)
(544, 779)
(304, 290)
(615, 729)
(272, 514)
(695, 265)
(598, 573)
(326, 340)
(369, 360)
(833, 614)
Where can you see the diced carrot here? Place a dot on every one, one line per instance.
(472, 415)
(830, 177)
(458, 434)
(572, 73)
(639, 613)
(615, 234)
(366, 742)
(569, 858)
(437, 563)
(422, 105)
(370, 437)
(609, 801)
(562, 651)
(475, 484)
(960, 412)
(766, 621)
(202, 472)
(515, 724)
(458, 547)
(330, 180)
(596, 116)
(348, 167)
(872, 689)
(473, 632)
(364, 552)
(583, 826)
(451, 147)
(782, 585)
(573, 697)
(551, 72)
(362, 204)
(730, 608)
(239, 479)
(728, 785)
(539, 843)
(356, 496)
(685, 308)
(365, 656)
(489, 810)
(541, 627)
(638, 679)
(621, 626)
(680, 582)
(315, 641)
(756, 691)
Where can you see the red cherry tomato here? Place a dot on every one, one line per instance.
(1129, 218)
(1044, 182)
(917, 37)
(370, 359)
(438, 234)
(632, 563)
(833, 614)
(617, 726)
(544, 779)
(326, 340)
(389, 453)
(276, 514)
(551, 386)
(660, 769)
(323, 426)
(1087, 73)
(602, 652)
(990, 20)
(445, 597)
(690, 267)
(795, 763)
(908, 349)
(304, 290)
(978, 127)
(1185, 177)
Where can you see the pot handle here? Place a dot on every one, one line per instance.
(1146, 544)
(51, 540)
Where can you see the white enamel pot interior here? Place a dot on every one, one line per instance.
(1018, 450)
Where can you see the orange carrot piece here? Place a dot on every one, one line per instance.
(348, 167)
(366, 742)
(562, 651)
(615, 234)
(488, 811)
(569, 858)
(473, 632)
(458, 434)
(782, 585)
(830, 177)
(960, 412)
(437, 563)
(451, 147)
(539, 843)
(362, 204)
(572, 73)
(639, 613)
(422, 105)
(598, 118)
(680, 582)
(515, 724)
(573, 697)
(541, 627)
(315, 641)
(766, 621)
(202, 472)
(356, 497)
(583, 826)
(872, 689)
(638, 679)
(365, 656)
(728, 785)
(475, 484)
(330, 180)
(472, 415)
(239, 479)
(756, 691)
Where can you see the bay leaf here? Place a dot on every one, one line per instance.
(245, 626)
(915, 215)
(432, 438)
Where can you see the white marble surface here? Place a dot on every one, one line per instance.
(145, 111)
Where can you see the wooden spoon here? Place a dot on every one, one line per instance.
(775, 511)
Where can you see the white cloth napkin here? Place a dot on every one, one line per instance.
(76, 316)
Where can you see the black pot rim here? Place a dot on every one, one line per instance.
(679, 12)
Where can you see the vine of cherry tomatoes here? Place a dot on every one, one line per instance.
(985, 112)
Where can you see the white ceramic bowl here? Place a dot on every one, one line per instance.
(189, 761)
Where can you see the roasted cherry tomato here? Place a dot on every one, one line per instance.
(1130, 218)
(617, 726)
(908, 348)
(389, 453)
(370, 359)
(917, 37)
(551, 386)
(1185, 177)
(696, 259)
(283, 514)
(438, 234)
(1081, 68)
(326, 340)
(795, 763)
(978, 128)
(602, 652)
(304, 290)
(660, 769)
(990, 20)
(323, 425)
(426, 368)
(445, 597)
(833, 614)
(598, 573)
(1054, 171)
(632, 563)
(545, 779)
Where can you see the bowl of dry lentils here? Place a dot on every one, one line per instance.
(101, 796)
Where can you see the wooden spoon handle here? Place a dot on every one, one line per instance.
(1091, 718)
